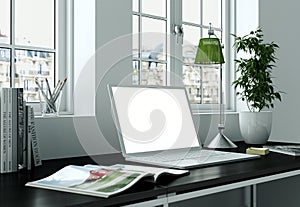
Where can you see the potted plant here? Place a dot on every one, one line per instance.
(255, 85)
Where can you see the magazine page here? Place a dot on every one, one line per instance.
(90, 180)
(156, 171)
(285, 149)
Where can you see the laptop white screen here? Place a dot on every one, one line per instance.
(151, 119)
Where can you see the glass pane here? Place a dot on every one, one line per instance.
(5, 21)
(30, 65)
(153, 39)
(210, 85)
(190, 43)
(192, 81)
(4, 68)
(35, 23)
(135, 5)
(135, 36)
(153, 73)
(191, 11)
(212, 12)
(154, 7)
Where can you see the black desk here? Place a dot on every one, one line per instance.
(200, 182)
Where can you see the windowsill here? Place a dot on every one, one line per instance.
(195, 112)
(63, 116)
(86, 116)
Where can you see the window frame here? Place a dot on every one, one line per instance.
(140, 59)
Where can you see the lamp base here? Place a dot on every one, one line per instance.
(220, 141)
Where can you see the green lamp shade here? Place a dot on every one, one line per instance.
(209, 52)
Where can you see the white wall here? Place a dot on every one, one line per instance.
(279, 20)
(81, 135)
(113, 58)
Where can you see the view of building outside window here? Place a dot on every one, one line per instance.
(30, 65)
(29, 51)
(4, 67)
(149, 51)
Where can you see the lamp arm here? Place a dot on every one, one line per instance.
(222, 117)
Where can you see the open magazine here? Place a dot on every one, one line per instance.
(285, 149)
(102, 181)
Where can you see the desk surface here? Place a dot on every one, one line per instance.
(14, 193)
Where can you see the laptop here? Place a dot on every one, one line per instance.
(155, 126)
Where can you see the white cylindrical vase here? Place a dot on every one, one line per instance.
(255, 127)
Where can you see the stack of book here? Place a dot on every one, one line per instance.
(18, 141)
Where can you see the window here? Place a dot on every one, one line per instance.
(156, 42)
(150, 24)
(27, 44)
(30, 44)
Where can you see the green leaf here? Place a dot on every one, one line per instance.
(255, 71)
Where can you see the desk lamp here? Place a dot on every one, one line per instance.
(210, 52)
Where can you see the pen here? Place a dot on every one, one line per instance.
(59, 89)
(50, 103)
(48, 87)
(55, 88)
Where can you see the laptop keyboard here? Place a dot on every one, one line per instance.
(195, 154)
(184, 159)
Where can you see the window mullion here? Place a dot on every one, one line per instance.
(152, 16)
(12, 22)
(69, 37)
(175, 46)
(12, 42)
(140, 42)
(228, 23)
(167, 68)
(25, 47)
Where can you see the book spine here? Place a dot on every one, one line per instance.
(15, 129)
(34, 140)
(20, 124)
(25, 135)
(3, 154)
(10, 130)
(28, 139)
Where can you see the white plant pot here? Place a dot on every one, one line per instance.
(255, 126)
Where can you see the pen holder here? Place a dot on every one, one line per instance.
(50, 106)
